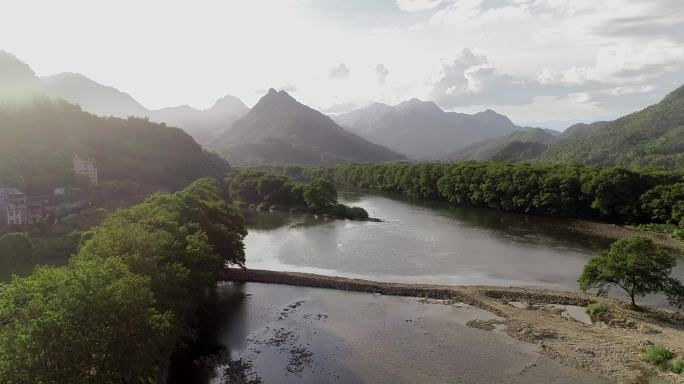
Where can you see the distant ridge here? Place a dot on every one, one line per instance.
(422, 130)
(653, 136)
(103, 100)
(40, 136)
(279, 130)
(518, 146)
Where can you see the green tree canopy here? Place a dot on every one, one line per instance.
(320, 195)
(15, 248)
(634, 264)
(89, 322)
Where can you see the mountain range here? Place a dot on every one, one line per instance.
(103, 100)
(41, 135)
(422, 130)
(279, 130)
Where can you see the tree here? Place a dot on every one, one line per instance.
(15, 248)
(320, 195)
(92, 321)
(634, 264)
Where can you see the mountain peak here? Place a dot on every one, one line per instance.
(232, 103)
(491, 116)
(421, 105)
(17, 78)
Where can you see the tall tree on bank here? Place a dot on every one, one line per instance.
(637, 266)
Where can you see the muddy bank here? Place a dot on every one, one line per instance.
(616, 232)
(611, 347)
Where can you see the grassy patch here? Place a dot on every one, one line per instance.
(659, 355)
(596, 309)
(676, 366)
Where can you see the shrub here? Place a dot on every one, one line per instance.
(15, 249)
(596, 309)
(658, 355)
(356, 213)
(676, 366)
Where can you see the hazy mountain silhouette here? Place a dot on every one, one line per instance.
(518, 146)
(279, 130)
(422, 130)
(93, 97)
(103, 100)
(18, 80)
(41, 135)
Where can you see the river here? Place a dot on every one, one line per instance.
(426, 242)
(256, 333)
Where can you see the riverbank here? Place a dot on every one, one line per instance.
(611, 347)
(616, 232)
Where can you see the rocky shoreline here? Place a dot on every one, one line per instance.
(611, 347)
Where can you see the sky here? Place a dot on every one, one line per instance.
(533, 60)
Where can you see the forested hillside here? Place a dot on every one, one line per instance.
(40, 139)
(518, 146)
(611, 194)
(651, 137)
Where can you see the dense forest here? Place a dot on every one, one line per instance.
(611, 194)
(40, 139)
(117, 311)
(267, 191)
(651, 137)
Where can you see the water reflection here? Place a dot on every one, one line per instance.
(221, 314)
(426, 242)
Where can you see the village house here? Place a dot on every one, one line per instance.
(85, 168)
(13, 207)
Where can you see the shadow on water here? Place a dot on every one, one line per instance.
(510, 226)
(196, 362)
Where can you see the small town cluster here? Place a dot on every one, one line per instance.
(18, 209)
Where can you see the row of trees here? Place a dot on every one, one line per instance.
(612, 194)
(267, 190)
(116, 312)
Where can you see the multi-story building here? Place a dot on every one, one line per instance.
(85, 168)
(13, 207)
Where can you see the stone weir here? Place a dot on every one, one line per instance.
(612, 346)
(480, 296)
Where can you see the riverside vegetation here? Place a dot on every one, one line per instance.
(650, 197)
(128, 297)
(266, 191)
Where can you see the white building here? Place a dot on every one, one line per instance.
(13, 207)
(85, 168)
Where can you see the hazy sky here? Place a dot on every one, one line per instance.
(531, 59)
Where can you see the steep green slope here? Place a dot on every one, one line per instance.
(651, 137)
(40, 139)
(518, 146)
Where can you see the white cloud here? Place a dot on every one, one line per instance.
(382, 72)
(530, 55)
(339, 72)
(417, 5)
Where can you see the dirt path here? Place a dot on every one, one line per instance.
(611, 347)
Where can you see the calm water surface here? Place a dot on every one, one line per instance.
(280, 334)
(261, 333)
(426, 243)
